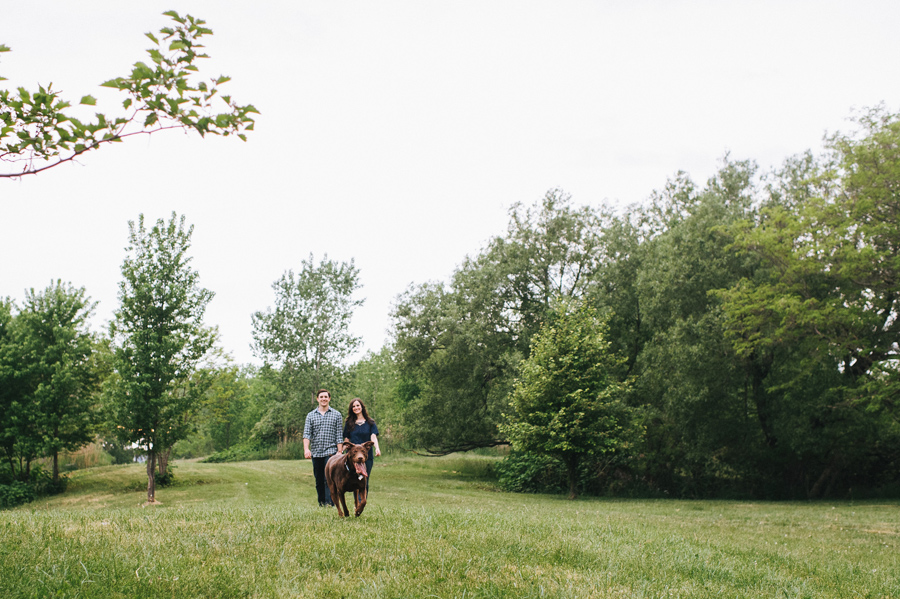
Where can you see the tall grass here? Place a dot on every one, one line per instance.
(433, 528)
(91, 455)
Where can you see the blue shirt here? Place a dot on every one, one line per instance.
(323, 432)
(361, 432)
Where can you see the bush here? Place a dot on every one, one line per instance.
(291, 450)
(39, 484)
(193, 447)
(523, 472)
(15, 493)
(167, 479)
(245, 452)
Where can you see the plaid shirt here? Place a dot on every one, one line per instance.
(323, 431)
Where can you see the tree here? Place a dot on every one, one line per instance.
(567, 402)
(159, 338)
(38, 133)
(459, 345)
(56, 368)
(305, 339)
(375, 379)
(14, 416)
(455, 358)
(823, 306)
(229, 411)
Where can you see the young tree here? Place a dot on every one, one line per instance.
(159, 338)
(37, 132)
(56, 368)
(567, 400)
(305, 338)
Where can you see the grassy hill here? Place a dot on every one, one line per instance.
(433, 528)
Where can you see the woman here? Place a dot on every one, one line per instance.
(359, 428)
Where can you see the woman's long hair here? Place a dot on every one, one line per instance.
(350, 423)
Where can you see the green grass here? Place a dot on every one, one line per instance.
(433, 528)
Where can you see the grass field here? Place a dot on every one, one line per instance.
(433, 528)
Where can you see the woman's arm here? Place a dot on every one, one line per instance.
(375, 441)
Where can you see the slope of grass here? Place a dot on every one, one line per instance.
(433, 528)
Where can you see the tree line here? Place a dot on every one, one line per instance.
(731, 339)
(748, 327)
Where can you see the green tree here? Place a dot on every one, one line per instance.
(15, 416)
(57, 369)
(695, 392)
(159, 338)
(229, 409)
(459, 345)
(823, 307)
(38, 132)
(304, 341)
(567, 402)
(375, 378)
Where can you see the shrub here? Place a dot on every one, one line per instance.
(245, 452)
(290, 450)
(167, 479)
(40, 483)
(523, 472)
(15, 493)
(526, 472)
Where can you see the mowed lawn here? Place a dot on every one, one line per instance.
(433, 528)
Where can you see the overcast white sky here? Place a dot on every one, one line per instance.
(398, 134)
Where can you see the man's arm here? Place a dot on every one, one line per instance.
(306, 452)
(339, 434)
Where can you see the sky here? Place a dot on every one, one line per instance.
(398, 134)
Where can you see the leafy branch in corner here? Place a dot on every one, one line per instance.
(36, 132)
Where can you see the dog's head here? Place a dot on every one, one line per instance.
(356, 457)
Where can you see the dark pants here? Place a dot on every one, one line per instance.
(370, 461)
(321, 487)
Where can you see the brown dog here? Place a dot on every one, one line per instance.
(345, 472)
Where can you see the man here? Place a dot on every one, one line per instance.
(322, 438)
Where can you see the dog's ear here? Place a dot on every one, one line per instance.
(368, 444)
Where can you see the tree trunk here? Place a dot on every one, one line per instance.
(55, 467)
(759, 367)
(572, 472)
(163, 460)
(151, 476)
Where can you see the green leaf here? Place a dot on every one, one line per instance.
(152, 37)
(177, 45)
(4, 48)
(88, 100)
(151, 119)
